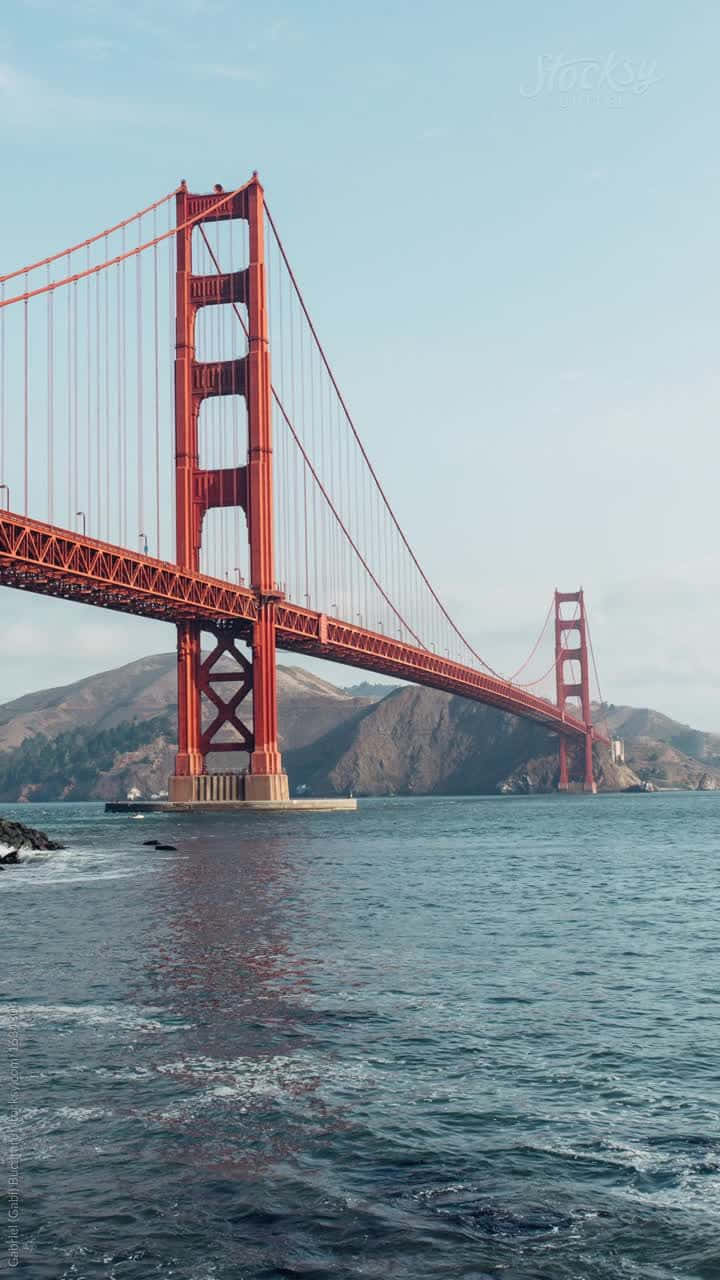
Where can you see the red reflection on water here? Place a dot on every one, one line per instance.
(224, 961)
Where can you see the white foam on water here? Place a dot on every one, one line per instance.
(695, 1189)
(79, 1114)
(129, 1076)
(254, 1082)
(453, 1188)
(78, 865)
(102, 875)
(126, 1017)
(638, 1159)
(696, 1176)
(41, 1130)
(259, 1077)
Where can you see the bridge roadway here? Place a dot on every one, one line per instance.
(48, 560)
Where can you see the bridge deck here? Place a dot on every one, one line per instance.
(52, 561)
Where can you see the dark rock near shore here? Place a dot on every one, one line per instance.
(18, 836)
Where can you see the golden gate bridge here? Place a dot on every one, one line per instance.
(227, 492)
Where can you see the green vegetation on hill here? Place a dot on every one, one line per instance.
(69, 764)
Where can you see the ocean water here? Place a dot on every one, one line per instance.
(435, 1038)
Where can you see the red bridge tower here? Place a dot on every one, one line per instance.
(571, 646)
(249, 486)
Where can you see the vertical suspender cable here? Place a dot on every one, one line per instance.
(123, 397)
(3, 394)
(118, 340)
(172, 249)
(156, 388)
(98, 416)
(317, 542)
(76, 455)
(68, 382)
(291, 322)
(26, 416)
(89, 496)
(139, 388)
(50, 406)
(304, 469)
(108, 449)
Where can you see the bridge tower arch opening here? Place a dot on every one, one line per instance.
(571, 647)
(248, 486)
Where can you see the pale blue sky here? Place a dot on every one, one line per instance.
(504, 219)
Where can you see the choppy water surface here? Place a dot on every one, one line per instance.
(436, 1038)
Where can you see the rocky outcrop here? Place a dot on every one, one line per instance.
(664, 752)
(669, 768)
(536, 777)
(16, 836)
(147, 768)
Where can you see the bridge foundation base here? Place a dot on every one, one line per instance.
(207, 788)
(320, 805)
(266, 787)
(201, 787)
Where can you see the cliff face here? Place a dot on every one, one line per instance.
(418, 741)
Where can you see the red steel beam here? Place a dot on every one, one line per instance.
(57, 562)
(52, 561)
(303, 631)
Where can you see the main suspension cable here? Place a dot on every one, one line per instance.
(365, 456)
(536, 646)
(82, 244)
(123, 257)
